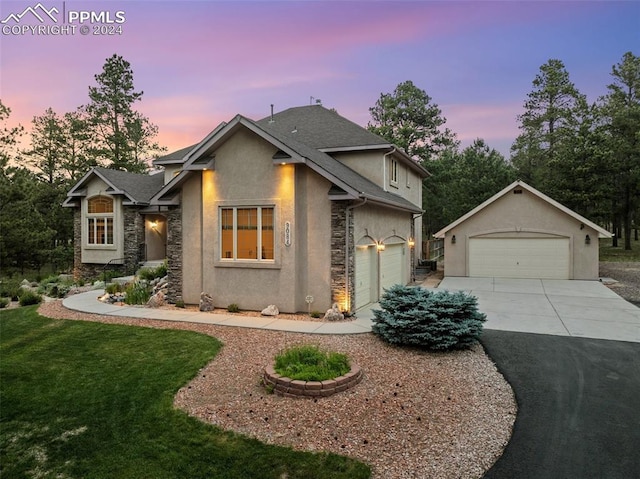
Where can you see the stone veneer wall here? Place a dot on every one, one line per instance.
(133, 237)
(174, 254)
(339, 257)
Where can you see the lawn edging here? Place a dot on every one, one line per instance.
(288, 387)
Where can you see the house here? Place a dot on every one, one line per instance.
(522, 233)
(301, 209)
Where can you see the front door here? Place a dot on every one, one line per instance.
(155, 233)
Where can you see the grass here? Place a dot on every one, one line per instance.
(619, 254)
(310, 363)
(92, 400)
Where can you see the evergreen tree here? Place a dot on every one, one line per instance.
(621, 113)
(47, 146)
(408, 118)
(553, 113)
(123, 137)
(8, 136)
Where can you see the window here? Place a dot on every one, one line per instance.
(393, 171)
(247, 233)
(100, 221)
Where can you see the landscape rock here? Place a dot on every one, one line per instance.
(270, 310)
(157, 300)
(206, 302)
(334, 314)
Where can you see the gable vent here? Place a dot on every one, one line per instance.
(517, 192)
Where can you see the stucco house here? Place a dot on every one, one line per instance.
(303, 205)
(522, 233)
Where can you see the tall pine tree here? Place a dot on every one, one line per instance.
(124, 138)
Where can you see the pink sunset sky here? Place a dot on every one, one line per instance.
(202, 62)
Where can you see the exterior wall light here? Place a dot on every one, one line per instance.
(453, 239)
(412, 242)
(380, 246)
(587, 239)
(153, 225)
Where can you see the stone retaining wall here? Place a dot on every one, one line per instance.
(293, 388)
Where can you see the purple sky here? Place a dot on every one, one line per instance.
(202, 62)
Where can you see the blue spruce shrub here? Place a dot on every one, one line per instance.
(437, 320)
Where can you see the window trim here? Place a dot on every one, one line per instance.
(393, 171)
(221, 260)
(107, 218)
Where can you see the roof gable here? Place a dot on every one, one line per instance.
(601, 231)
(138, 189)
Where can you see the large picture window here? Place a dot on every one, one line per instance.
(247, 233)
(100, 221)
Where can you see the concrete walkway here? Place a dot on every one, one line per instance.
(585, 309)
(88, 303)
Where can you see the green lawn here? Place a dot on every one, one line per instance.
(609, 253)
(90, 400)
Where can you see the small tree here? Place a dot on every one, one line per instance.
(438, 320)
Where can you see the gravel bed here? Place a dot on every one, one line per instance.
(415, 414)
(628, 276)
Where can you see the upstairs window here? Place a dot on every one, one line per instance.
(393, 172)
(100, 221)
(247, 233)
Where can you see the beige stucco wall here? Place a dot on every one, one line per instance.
(192, 254)
(245, 175)
(523, 216)
(102, 254)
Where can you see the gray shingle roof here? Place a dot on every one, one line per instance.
(174, 157)
(321, 128)
(336, 169)
(139, 187)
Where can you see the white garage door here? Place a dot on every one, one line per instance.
(545, 258)
(391, 266)
(364, 269)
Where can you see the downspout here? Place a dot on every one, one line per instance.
(346, 253)
(413, 223)
(384, 168)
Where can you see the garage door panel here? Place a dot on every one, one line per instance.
(391, 261)
(363, 276)
(546, 258)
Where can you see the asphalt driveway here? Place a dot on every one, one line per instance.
(578, 406)
(585, 309)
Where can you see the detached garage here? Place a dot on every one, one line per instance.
(522, 233)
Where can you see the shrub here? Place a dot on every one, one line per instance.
(233, 308)
(4, 302)
(438, 320)
(316, 314)
(28, 297)
(137, 293)
(310, 363)
(10, 288)
(179, 304)
(150, 274)
(113, 288)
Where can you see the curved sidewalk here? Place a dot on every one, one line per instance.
(88, 303)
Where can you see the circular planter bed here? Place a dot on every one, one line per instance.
(288, 387)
